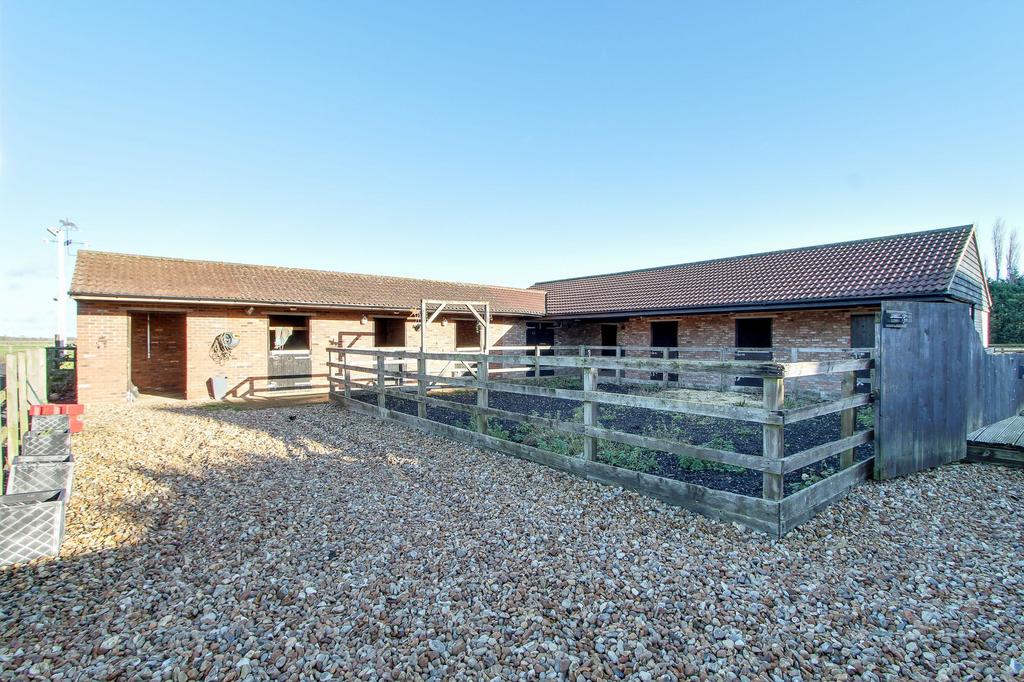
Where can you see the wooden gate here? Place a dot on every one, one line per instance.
(936, 382)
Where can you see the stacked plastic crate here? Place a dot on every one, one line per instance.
(38, 487)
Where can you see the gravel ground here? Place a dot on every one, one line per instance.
(313, 543)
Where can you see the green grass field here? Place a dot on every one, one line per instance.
(13, 344)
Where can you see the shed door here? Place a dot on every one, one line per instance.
(290, 362)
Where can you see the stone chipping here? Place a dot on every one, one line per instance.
(312, 543)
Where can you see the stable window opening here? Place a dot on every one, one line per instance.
(467, 334)
(289, 333)
(388, 332)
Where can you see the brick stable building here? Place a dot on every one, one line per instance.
(811, 296)
(152, 323)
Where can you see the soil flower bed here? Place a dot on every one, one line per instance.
(309, 542)
(710, 432)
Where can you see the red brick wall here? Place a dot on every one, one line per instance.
(792, 329)
(104, 334)
(102, 355)
(159, 365)
(330, 328)
(248, 359)
(805, 328)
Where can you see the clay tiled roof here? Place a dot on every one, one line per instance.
(116, 275)
(906, 265)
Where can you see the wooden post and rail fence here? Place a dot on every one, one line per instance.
(387, 374)
(25, 383)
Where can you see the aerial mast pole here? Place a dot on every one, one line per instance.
(63, 242)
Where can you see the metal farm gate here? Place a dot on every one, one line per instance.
(936, 383)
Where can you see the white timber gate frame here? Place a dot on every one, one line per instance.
(481, 310)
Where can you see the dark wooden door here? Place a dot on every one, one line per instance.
(609, 337)
(289, 370)
(664, 334)
(753, 332)
(541, 334)
(862, 335)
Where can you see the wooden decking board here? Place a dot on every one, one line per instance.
(1006, 432)
(998, 443)
(1012, 430)
(1007, 455)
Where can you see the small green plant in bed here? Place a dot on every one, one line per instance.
(568, 381)
(569, 444)
(627, 457)
(746, 431)
(865, 419)
(810, 477)
(499, 432)
(697, 464)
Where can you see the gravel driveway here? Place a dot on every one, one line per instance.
(310, 542)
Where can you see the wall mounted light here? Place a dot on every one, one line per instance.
(444, 321)
(363, 319)
(248, 311)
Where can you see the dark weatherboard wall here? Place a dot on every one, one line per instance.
(936, 384)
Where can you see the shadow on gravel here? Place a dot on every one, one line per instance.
(285, 531)
(223, 544)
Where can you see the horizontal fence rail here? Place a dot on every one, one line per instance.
(411, 376)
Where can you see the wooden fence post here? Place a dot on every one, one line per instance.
(794, 356)
(381, 396)
(721, 377)
(44, 384)
(618, 370)
(29, 371)
(848, 418)
(22, 396)
(664, 375)
(330, 373)
(774, 445)
(536, 361)
(421, 386)
(13, 421)
(35, 375)
(347, 373)
(481, 393)
(589, 410)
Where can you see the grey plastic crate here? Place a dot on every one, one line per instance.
(53, 423)
(31, 525)
(39, 444)
(31, 475)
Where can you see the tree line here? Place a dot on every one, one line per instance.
(1006, 324)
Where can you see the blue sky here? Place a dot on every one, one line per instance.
(504, 143)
